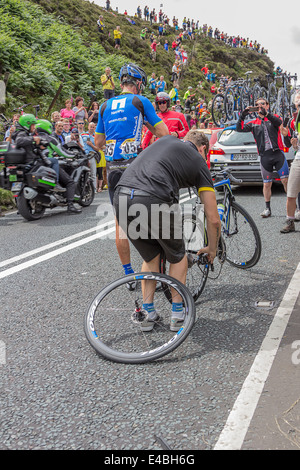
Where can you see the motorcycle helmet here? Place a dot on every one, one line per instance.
(162, 96)
(43, 125)
(133, 74)
(26, 121)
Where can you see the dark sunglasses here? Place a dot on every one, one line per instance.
(162, 102)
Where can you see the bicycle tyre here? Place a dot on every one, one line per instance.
(229, 104)
(272, 97)
(217, 110)
(196, 274)
(243, 252)
(112, 329)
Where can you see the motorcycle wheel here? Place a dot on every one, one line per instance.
(28, 209)
(87, 194)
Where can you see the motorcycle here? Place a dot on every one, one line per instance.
(35, 184)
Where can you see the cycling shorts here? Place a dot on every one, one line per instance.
(152, 226)
(273, 161)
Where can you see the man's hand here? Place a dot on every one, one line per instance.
(245, 112)
(210, 253)
(36, 139)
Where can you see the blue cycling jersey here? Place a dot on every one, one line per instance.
(121, 119)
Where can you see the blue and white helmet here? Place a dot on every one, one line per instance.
(132, 73)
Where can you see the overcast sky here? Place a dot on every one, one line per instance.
(274, 24)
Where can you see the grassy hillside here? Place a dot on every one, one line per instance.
(43, 42)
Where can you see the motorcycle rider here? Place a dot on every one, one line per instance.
(25, 137)
(175, 121)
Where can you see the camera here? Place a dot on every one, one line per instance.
(253, 109)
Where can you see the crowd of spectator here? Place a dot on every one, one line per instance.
(189, 29)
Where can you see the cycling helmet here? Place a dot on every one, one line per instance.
(133, 74)
(163, 96)
(26, 120)
(43, 125)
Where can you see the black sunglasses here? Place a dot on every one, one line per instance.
(162, 102)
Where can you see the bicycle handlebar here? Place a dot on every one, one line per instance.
(226, 173)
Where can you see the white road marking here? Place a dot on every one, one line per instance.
(234, 432)
(54, 244)
(54, 253)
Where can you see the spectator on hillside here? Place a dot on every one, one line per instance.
(66, 128)
(161, 84)
(153, 50)
(59, 127)
(55, 116)
(117, 37)
(178, 108)
(108, 84)
(79, 110)
(166, 46)
(94, 113)
(67, 112)
(205, 69)
(107, 5)
(152, 84)
(100, 25)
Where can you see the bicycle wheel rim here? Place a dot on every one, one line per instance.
(112, 329)
(241, 237)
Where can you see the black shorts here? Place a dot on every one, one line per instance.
(153, 226)
(271, 161)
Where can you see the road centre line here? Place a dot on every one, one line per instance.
(54, 244)
(54, 253)
(239, 419)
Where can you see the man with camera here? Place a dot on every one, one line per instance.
(108, 84)
(266, 132)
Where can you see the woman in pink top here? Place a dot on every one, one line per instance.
(67, 112)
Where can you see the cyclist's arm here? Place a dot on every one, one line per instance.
(160, 129)
(208, 198)
(99, 140)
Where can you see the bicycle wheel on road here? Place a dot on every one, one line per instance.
(112, 323)
(194, 236)
(241, 237)
(218, 111)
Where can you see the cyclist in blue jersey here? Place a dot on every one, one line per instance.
(119, 128)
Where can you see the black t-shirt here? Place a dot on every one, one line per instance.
(165, 167)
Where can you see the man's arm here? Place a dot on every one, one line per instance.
(160, 129)
(100, 140)
(208, 198)
(241, 126)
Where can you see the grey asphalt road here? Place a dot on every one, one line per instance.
(56, 393)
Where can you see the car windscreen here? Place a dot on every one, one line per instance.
(231, 137)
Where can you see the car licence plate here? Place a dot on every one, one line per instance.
(244, 156)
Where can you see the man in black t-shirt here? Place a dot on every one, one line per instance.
(150, 186)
